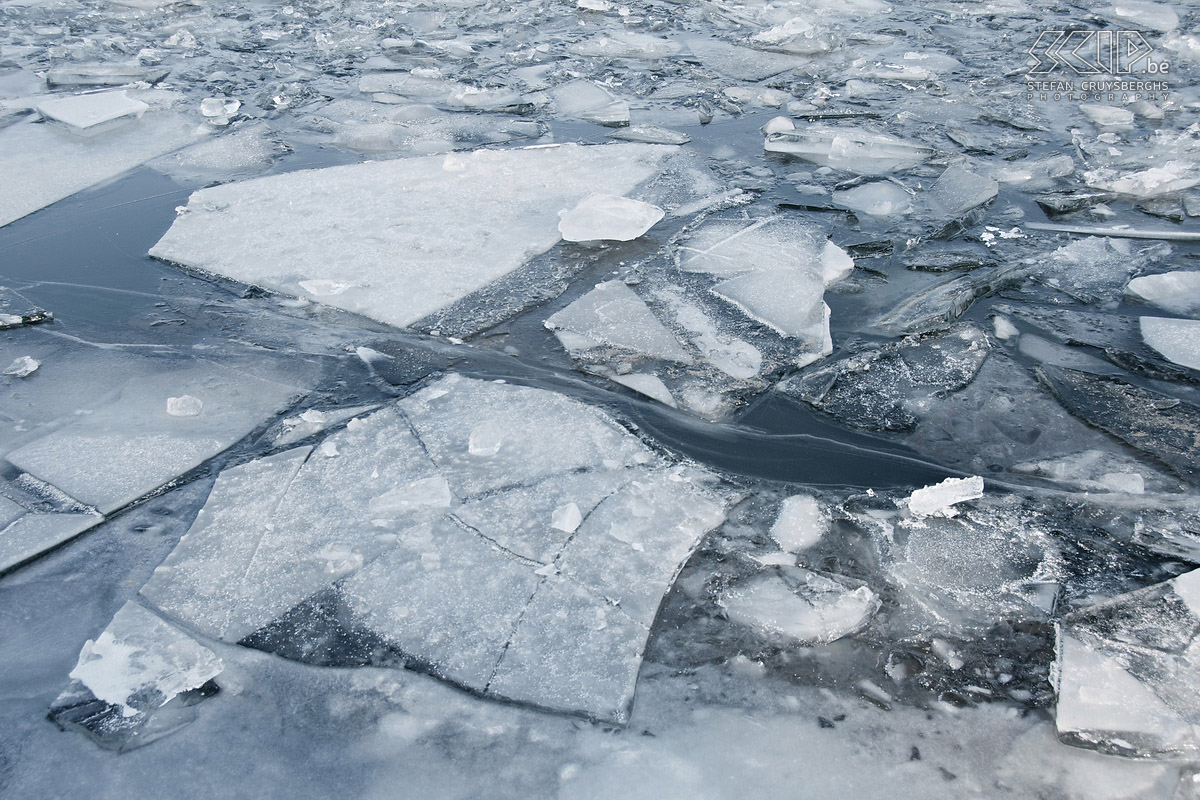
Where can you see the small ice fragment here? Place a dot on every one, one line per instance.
(777, 125)
(1108, 117)
(800, 523)
(858, 150)
(1004, 329)
(1177, 292)
(566, 518)
(650, 134)
(817, 610)
(218, 110)
(877, 199)
(88, 114)
(485, 439)
(1178, 340)
(603, 217)
(22, 367)
(591, 102)
(649, 385)
(940, 499)
(322, 287)
(425, 493)
(184, 406)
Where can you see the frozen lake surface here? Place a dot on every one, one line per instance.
(595, 399)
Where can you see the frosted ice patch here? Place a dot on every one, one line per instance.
(22, 367)
(375, 233)
(800, 605)
(185, 406)
(88, 113)
(800, 524)
(1178, 340)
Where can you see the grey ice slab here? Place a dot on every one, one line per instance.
(42, 164)
(1128, 678)
(489, 435)
(545, 581)
(127, 446)
(399, 240)
(33, 534)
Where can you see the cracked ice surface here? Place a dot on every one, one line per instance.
(369, 238)
(438, 523)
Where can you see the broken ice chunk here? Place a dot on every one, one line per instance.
(23, 367)
(134, 681)
(103, 74)
(90, 114)
(133, 443)
(858, 150)
(1150, 421)
(402, 267)
(940, 499)
(881, 198)
(1155, 16)
(602, 217)
(1178, 340)
(800, 604)
(510, 593)
(740, 63)
(1128, 672)
(1173, 176)
(650, 134)
(588, 101)
(140, 662)
(1108, 117)
(612, 315)
(1177, 292)
(651, 386)
(800, 524)
(958, 191)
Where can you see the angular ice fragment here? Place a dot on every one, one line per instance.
(133, 683)
(1173, 176)
(940, 499)
(1155, 16)
(140, 662)
(133, 443)
(858, 150)
(566, 518)
(876, 198)
(740, 63)
(380, 228)
(958, 191)
(650, 385)
(23, 367)
(103, 74)
(601, 217)
(1108, 117)
(800, 604)
(1178, 340)
(800, 524)
(589, 101)
(89, 114)
(423, 493)
(776, 271)
(1150, 421)
(485, 440)
(50, 164)
(612, 315)
(1177, 292)
(1128, 672)
(651, 134)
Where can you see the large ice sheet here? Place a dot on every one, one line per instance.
(399, 240)
(504, 538)
(130, 444)
(42, 164)
(1128, 677)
